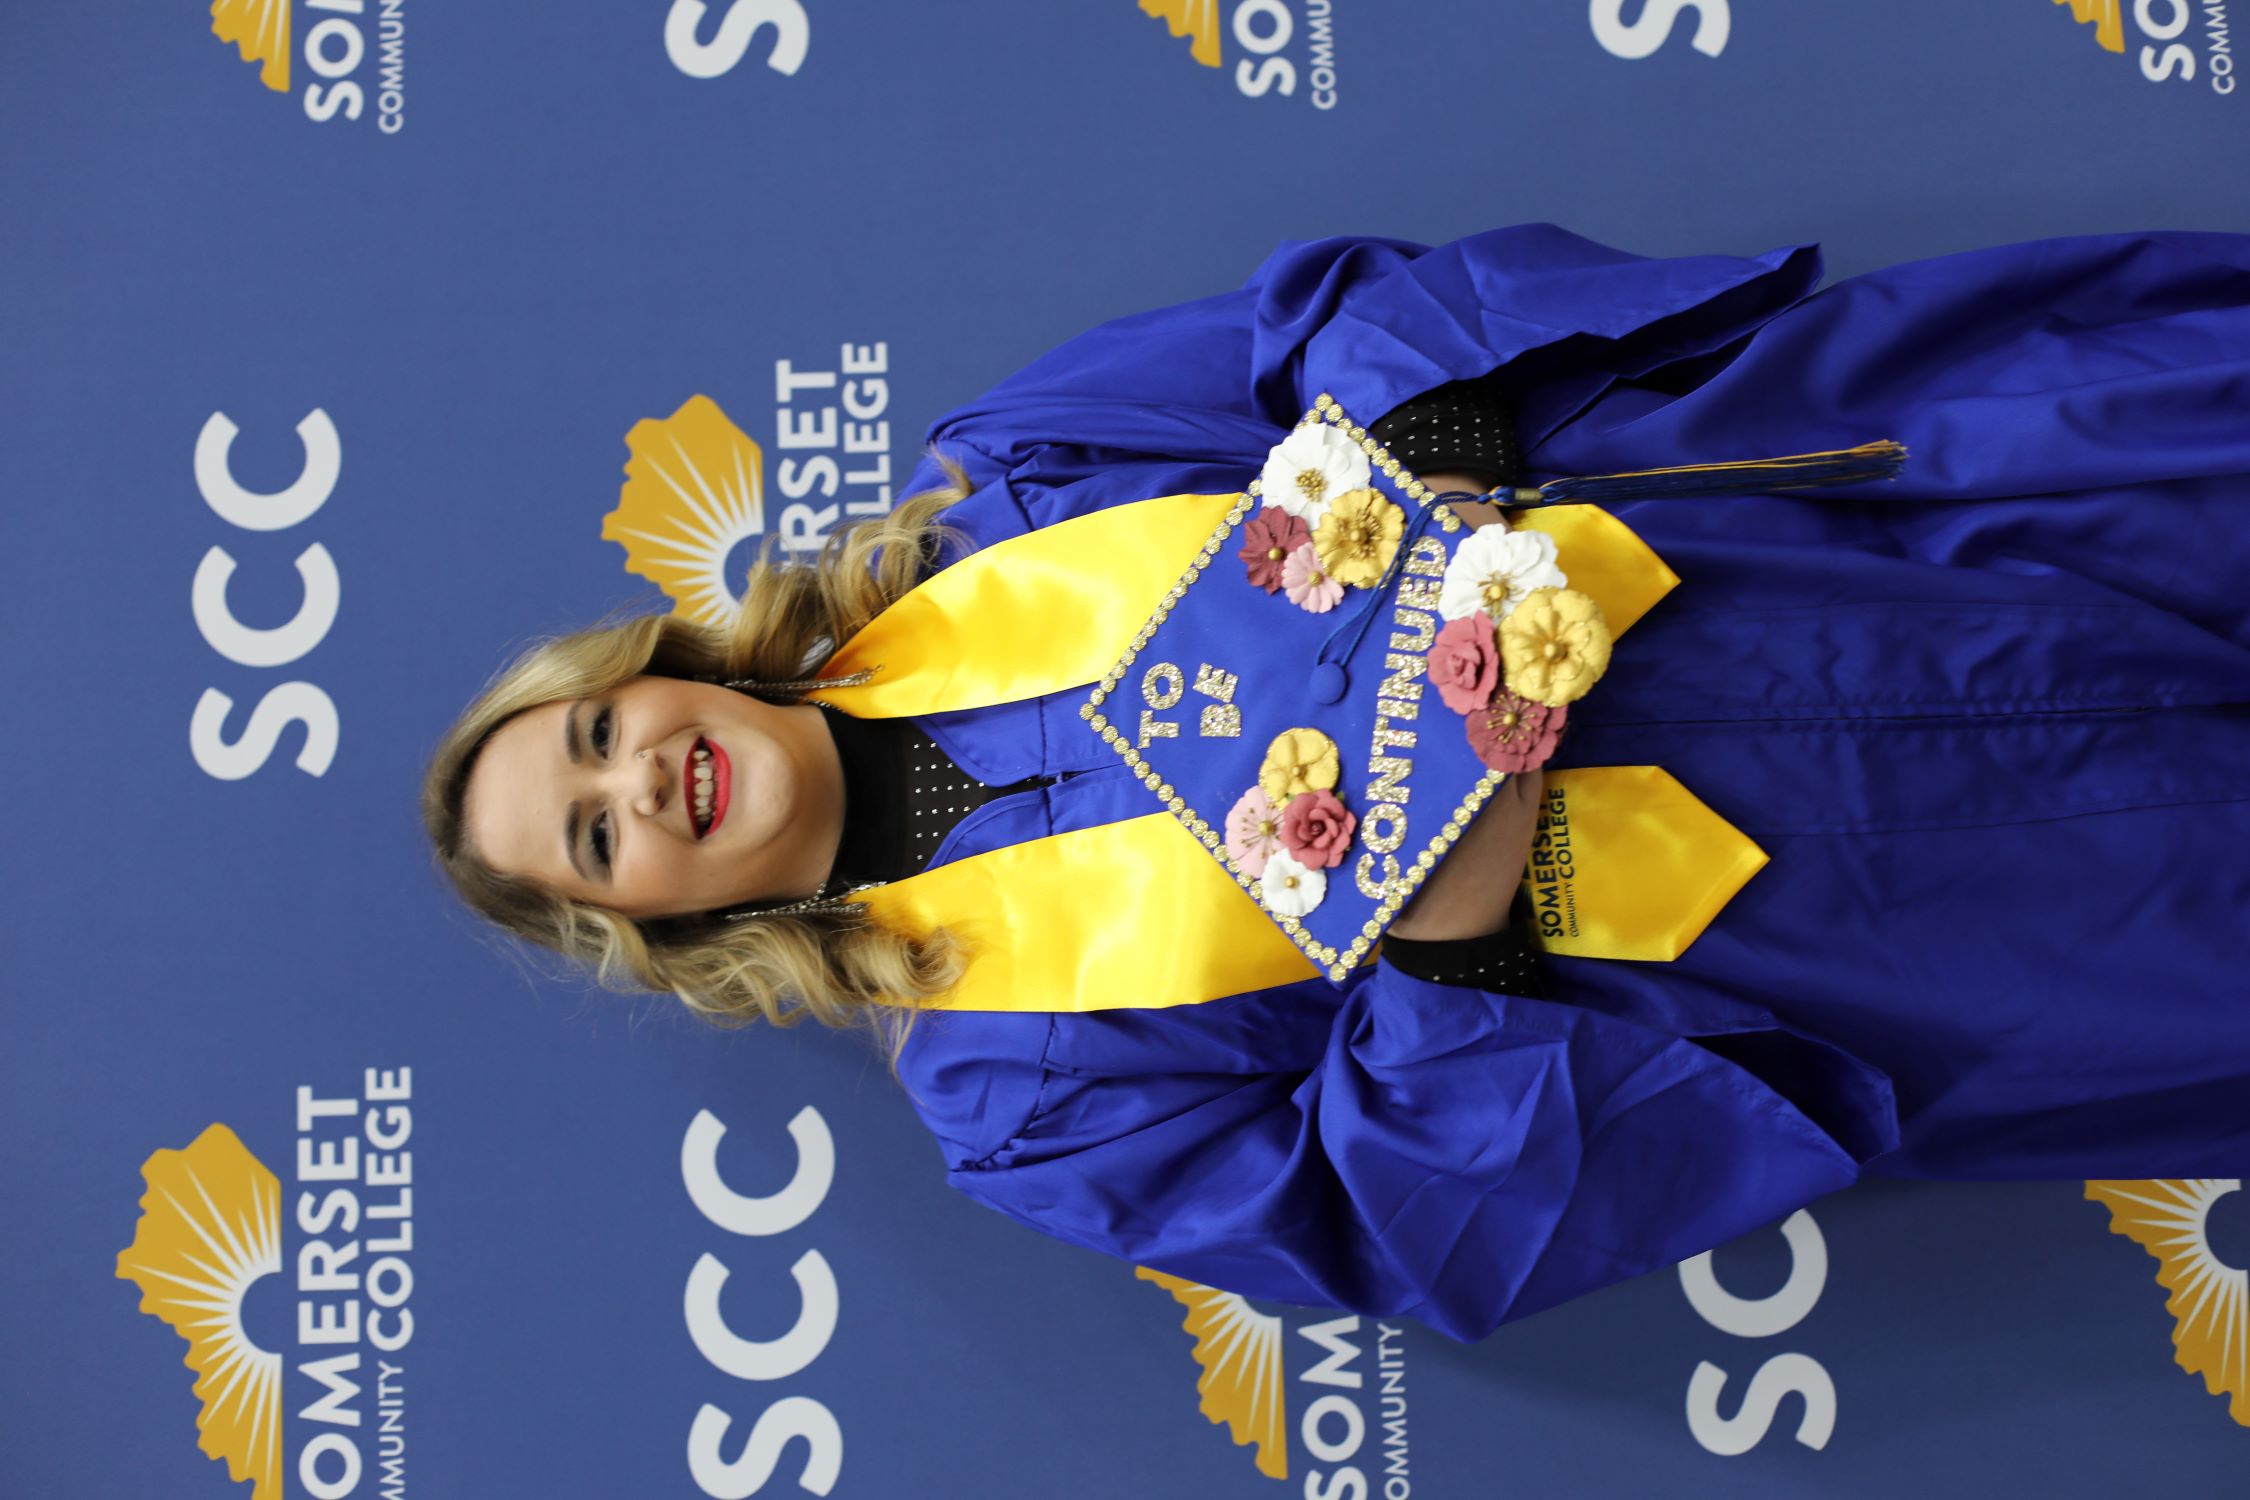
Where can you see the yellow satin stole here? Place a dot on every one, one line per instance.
(1627, 864)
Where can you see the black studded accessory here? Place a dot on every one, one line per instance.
(1466, 427)
(1504, 962)
(1498, 962)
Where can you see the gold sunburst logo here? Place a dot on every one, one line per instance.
(259, 30)
(694, 487)
(2209, 1300)
(1239, 1349)
(210, 1226)
(2108, 18)
(1196, 18)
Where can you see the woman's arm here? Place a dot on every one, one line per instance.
(1439, 1153)
(1189, 397)
(1470, 891)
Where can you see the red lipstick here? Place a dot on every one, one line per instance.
(722, 785)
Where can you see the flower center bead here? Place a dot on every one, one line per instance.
(1310, 483)
(1511, 718)
(1551, 650)
(1274, 554)
(1289, 881)
(1495, 595)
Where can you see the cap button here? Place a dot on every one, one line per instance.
(1329, 681)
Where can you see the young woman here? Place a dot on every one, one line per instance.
(1990, 722)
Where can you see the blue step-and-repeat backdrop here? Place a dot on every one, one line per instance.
(349, 343)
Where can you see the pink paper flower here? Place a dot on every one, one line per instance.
(1271, 535)
(1464, 662)
(1253, 833)
(1316, 829)
(1513, 733)
(1308, 584)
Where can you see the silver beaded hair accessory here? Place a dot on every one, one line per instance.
(801, 684)
(819, 900)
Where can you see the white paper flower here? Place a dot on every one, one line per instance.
(1291, 889)
(1494, 570)
(1309, 468)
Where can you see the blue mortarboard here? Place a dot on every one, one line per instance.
(1231, 677)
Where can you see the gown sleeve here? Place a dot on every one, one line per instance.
(1191, 397)
(1446, 1154)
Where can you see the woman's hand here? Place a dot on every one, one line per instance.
(1477, 513)
(1470, 891)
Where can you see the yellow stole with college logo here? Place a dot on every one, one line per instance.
(1628, 864)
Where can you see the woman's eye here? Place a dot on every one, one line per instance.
(602, 732)
(599, 836)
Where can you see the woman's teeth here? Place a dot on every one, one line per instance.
(701, 759)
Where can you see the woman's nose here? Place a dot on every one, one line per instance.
(644, 789)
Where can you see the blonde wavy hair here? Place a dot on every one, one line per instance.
(837, 966)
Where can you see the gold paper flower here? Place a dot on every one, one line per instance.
(1358, 538)
(1298, 760)
(1554, 645)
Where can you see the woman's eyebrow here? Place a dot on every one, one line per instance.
(570, 823)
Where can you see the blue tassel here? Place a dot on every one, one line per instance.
(1330, 679)
(1877, 460)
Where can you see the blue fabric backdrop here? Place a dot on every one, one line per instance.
(464, 284)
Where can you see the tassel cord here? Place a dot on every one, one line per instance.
(1883, 459)
(1365, 615)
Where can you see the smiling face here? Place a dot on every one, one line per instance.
(660, 798)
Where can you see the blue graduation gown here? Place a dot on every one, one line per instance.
(1991, 722)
